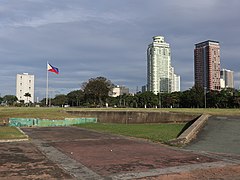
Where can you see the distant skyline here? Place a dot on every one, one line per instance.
(87, 39)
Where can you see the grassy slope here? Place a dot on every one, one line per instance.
(153, 132)
(10, 133)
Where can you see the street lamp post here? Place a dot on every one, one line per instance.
(205, 97)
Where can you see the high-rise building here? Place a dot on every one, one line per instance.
(25, 84)
(159, 70)
(207, 65)
(227, 78)
(175, 81)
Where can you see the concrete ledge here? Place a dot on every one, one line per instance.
(191, 133)
(126, 116)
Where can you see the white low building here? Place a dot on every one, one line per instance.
(118, 90)
(25, 84)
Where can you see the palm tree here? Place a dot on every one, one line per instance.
(28, 95)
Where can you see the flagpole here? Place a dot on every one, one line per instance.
(47, 87)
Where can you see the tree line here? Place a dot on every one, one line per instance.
(95, 93)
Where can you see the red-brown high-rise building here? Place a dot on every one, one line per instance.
(207, 65)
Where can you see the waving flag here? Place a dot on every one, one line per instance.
(52, 68)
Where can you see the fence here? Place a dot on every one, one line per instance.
(32, 122)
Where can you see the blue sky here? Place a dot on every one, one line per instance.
(86, 39)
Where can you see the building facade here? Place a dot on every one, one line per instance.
(118, 90)
(207, 65)
(25, 84)
(176, 83)
(175, 79)
(160, 73)
(227, 78)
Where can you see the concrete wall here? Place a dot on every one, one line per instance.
(133, 117)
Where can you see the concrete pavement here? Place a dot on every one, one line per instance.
(220, 135)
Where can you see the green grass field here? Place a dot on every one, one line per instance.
(10, 133)
(154, 132)
(29, 112)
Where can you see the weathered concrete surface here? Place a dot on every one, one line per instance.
(221, 134)
(116, 157)
(130, 116)
(75, 153)
(191, 132)
(70, 165)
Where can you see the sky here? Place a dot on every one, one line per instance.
(90, 38)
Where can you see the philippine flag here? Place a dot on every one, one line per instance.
(52, 69)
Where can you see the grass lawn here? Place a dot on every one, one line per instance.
(154, 132)
(10, 133)
(34, 112)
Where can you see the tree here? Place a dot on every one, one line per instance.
(236, 99)
(197, 94)
(132, 101)
(170, 100)
(222, 99)
(192, 98)
(175, 99)
(27, 95)
(96, 90)
(10, 99)
(60, 100)
(75, 98)
(1, 100)
(148, 99)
